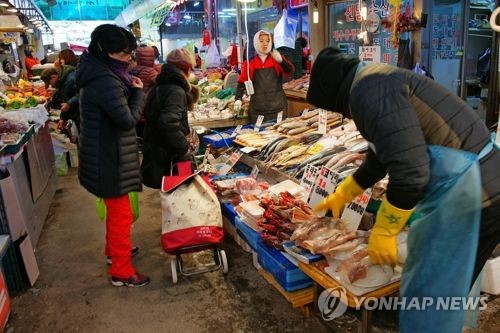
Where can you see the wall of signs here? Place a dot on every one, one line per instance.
(345, 25)
(446, 32)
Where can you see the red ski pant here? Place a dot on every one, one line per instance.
(119, 218)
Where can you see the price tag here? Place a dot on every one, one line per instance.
(279, 118)
(258, 123)
(236, 131)
(255, 172)
(322, 120)
(232, 160)
(206, 168)
(205, 156)
(325, 184)
(205, 79)
(309, 178)
(353, 211)
(248, 150)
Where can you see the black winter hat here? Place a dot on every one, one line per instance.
(331, 78)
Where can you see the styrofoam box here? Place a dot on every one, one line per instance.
(491, 277)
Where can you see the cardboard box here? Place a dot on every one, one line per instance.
(15, 218)
(490, 282)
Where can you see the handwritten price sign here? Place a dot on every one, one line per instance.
(326, 182)
(232, 160)
(353, 212)
(309, 178)
(322, 120)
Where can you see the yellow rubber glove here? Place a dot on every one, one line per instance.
(383, 244)
(344, 193)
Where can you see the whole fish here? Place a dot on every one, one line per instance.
(270, 146)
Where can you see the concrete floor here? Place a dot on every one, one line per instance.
(73, 292)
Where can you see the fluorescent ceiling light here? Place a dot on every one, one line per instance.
(229, 10)
(12, 10)
(196, 3)
(224, 16)
(187, 17)
(4, 4)
(247, 1)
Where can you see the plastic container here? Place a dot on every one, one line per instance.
(289, 276)
(287, 186)
(247, 233)
(491, 276)
(252, 208)
(219, 140)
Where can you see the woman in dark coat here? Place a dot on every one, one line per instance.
(165, 141)
(110, 104)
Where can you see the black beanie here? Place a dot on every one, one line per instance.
(331, 78)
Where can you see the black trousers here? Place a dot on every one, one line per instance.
(489, 236)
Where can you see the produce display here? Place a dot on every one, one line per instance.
(11, 131)
(25, 94)
(215, 102)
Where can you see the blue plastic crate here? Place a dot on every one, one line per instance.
(229, 212)
(289, 276)
(249, 235)
(219, 140)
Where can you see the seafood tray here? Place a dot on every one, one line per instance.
(289, 276)
(23, 138)
(249, 235)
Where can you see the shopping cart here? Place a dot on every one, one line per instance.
(191, 220)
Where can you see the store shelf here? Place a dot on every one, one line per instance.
(219, 123)
(480, 7)
(489, 31)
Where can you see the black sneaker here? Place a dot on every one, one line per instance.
(134, 281)
(133, 253)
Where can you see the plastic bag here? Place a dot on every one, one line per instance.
(483, 65)
(284, 32)
(213, 56)
(134, 204)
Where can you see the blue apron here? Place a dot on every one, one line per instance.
(443, 239)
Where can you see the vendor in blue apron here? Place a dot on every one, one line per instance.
(266, 70)
(442, 167)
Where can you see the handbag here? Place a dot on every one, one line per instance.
(190, 211)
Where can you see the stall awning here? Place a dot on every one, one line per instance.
(10, 23)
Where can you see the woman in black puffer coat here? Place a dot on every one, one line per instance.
(110, 104)
(167, 125)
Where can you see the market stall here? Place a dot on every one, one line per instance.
(267, 187)
(28, 177)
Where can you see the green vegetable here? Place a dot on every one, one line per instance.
(31, 102)
(14, 105)
(3, 102)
